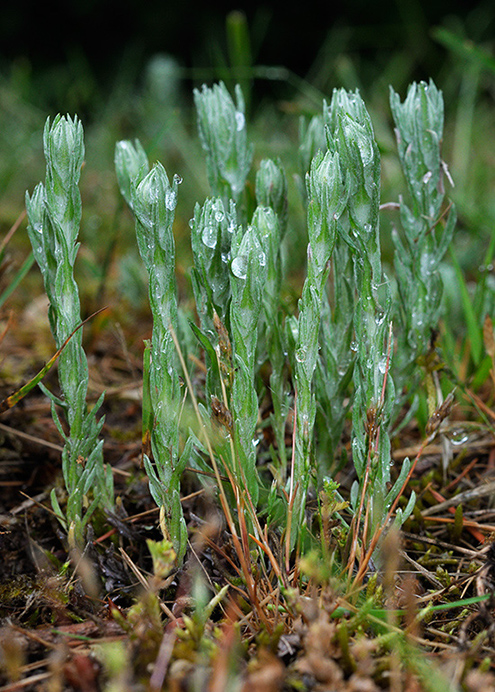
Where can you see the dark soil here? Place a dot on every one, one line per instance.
(102, 621)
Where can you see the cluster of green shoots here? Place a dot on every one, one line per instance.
(351, 352)
(54, 213)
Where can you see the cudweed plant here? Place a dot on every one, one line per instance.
(312, 139)
(237, 271)
(427, 227)
(373, 386)
(367, 295)
(343, 334)
(271, 218)
(273, 347)
(339, 350)
(248, 277)
(54, 214)
(131, 165)
(272, 191)
(153, 200)
(326, 203)
(222, 131)
(212, 229)
(336, 363)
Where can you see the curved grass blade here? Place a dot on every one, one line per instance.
(14, 398)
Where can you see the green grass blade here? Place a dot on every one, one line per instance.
(474, 330)
(13, 399)
(26, 266)
(465, 50)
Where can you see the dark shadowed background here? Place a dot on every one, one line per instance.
(104, 37)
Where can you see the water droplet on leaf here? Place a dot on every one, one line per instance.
(240, 120)
(379, 317)
(209, 236)
(458, 437)
(239, 266)
(301, 355)
(170, 200)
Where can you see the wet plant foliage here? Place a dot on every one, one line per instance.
(286, 485)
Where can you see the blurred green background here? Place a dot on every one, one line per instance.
(128, 70)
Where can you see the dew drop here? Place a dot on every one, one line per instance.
(170, 200)
(177, 179)
(209, 236)
(380, 316)
(239, 266)
(458, 437)
(382, 365)
(305, 423)
(301, 355)
(240, 120)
